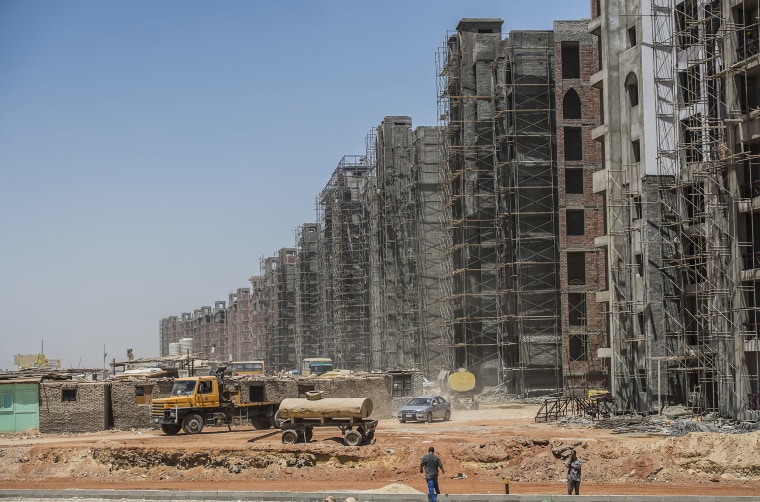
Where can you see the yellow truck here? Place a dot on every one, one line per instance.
(462, 388)
(206, 400)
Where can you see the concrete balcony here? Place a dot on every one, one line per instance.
(600, 180)
(598, 133)
(597, 79)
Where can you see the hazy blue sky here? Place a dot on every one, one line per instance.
(152, 152)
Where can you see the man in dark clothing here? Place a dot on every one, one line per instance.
(429, 465)
(573, 465)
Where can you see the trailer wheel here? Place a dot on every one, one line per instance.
(192, 424)
(170, 429)
(352, 438)
(261, 423)
(289, 437)
(308, 434)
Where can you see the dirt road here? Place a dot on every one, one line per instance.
(478, 448)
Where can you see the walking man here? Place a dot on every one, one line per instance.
(573, 465)
(429, 465)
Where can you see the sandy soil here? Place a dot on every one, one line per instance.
(479, 449)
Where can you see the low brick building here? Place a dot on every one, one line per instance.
(75, 406)
(132, 398)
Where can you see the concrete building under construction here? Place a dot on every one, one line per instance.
(581, 218)
(681, 123)
(496, 104)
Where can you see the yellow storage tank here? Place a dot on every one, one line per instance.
(462, 381)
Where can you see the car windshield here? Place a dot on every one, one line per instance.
(420, 401)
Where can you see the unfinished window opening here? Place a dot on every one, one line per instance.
(576, 268)
(575, 221)
(687, 23)
(571, 105)
(746, 18)
(571, 60)
(576, 306)
(304, 388)
(640, 322)
(68, 395)
(574, 181)
(402, 385)
(688, 82)
(632, 88)
(637, 207)
(642, 378)
(256, 394)
(632, 39)
(692, 195)
(636, 150)
(573, 143)
(692, 139)
(143, 394)
(577, 347)
(748, 88)
(639, 265)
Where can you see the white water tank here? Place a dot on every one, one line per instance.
(174, 349)
(185, 346)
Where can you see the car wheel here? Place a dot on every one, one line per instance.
(402, 420)
(429, 417)
(447, 416)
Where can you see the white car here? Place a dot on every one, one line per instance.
(425, 409)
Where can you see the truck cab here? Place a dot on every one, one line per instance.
(202, 392)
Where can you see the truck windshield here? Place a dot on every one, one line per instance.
(185, 388)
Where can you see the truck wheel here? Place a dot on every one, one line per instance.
(289, 437)
(192, 424)
(278, 421)
(261, 423)
(170, 429)
(352, 438)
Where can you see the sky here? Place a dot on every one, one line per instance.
(152, 153)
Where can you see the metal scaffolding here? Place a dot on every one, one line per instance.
(705, 56)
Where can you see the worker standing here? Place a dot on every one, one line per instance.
(573, 464)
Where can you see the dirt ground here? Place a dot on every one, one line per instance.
(478, 449)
